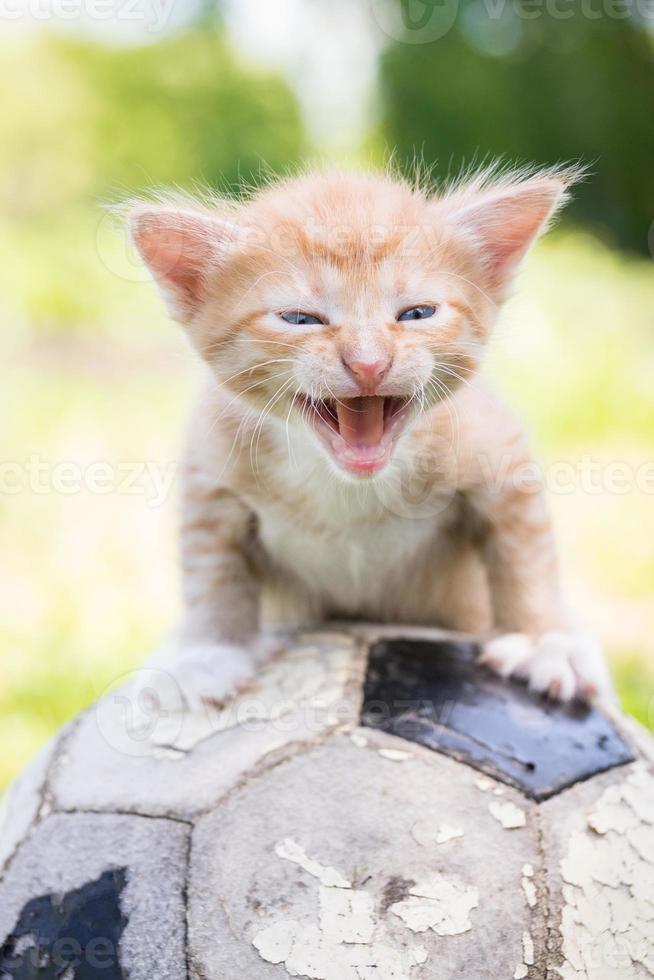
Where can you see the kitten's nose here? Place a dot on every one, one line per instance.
(368, 373)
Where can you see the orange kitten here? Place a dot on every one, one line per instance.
(345, 458)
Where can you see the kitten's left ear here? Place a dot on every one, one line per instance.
(180, 246)
(503, 220)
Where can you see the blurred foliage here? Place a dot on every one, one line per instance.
(89, 124)
(54, 277)
(89, 121)
(595, 384)
(87, 579)
(184, 109)
(513, 79)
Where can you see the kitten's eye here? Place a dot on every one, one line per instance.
(300, 319)
(417, 313)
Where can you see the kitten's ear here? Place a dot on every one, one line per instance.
(179, 246)
(503, 220)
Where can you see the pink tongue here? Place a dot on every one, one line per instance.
(361, 420)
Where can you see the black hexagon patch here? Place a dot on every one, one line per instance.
(433, 693)
(75, 936)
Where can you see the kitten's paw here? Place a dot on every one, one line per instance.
(560, 665)
(264, 647)
(194, 676)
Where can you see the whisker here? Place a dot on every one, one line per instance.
(265, 340)
(261, 381)
(264, 275)
(291, 458)
(255, 367)
(272, 401)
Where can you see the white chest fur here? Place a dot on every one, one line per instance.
(353, 555)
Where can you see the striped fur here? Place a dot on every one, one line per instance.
(449, 531)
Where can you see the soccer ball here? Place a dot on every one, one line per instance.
(377, 807)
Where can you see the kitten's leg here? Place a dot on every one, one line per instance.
(214, 653)
(538, 639)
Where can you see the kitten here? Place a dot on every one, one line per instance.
(345, 458)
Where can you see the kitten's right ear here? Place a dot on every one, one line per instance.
(179, 246)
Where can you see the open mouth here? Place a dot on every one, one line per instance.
(360, 432)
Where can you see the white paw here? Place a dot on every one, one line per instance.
(196, 675)
(264, 647)
(560, 665)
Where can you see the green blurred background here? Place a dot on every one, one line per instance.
(96, 107)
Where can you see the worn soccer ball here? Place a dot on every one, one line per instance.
(376, 808)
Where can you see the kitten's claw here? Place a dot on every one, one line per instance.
(559, 665)
(190, 677)
(505, 653)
